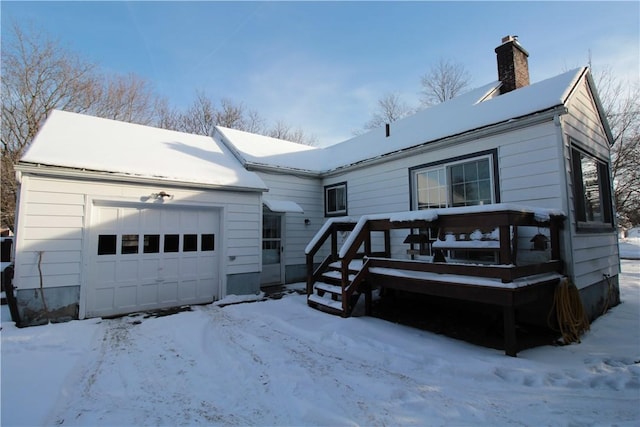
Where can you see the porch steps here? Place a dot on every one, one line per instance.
(327, 293)
(325, 303)
(326, 287)
(335, 276)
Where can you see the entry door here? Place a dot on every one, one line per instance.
(272, 249)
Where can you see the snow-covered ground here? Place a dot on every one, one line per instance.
(278, 362)
(630, 248)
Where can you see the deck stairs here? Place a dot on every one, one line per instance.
(327, 292)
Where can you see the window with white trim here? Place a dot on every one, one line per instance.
(335, 199)
(465, 182)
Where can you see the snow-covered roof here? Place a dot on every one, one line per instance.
(254, 149)
(89, 143)
(282, 205)
(473, 110)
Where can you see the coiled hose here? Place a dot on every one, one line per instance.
(571, 317)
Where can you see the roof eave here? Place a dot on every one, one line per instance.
(599, 107)
(262, 167)
(93, 175)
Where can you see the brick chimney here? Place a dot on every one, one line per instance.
(513, 65)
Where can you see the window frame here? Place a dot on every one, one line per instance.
(337, 212)
(583, 223)
(446, 164)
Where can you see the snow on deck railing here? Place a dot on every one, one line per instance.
(325, 227)
(426, 215)
(540, 215)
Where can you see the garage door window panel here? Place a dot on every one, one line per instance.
(151, 244)
(107, 244)
(208, 242)
(171, 243)
(190, 243)
(130, 244)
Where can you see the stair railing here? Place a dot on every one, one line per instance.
(363, 235)
(328, 231)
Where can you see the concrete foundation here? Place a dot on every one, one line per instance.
(59, 305)
(600, 296)
(243, 284)
(295, 273)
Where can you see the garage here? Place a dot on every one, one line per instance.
(116, 218)
(145, 258)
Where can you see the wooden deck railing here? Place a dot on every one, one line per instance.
(501, 217)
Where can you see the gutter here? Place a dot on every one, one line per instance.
(92, 175)
(250, 166)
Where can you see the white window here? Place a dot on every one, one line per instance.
(335, 199)
(465, 182)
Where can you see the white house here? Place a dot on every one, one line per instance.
(103, 204)
(544, 145)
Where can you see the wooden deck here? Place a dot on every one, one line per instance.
(337, 282)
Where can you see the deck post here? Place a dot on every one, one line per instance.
(387, 243)
(309, 274)
(554, 231)
(367, 299)
(506, 256)
(334, 242)
(510, 340)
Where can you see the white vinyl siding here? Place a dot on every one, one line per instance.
(306, 192)
(51, 232)
(530, 168)
(594, 252)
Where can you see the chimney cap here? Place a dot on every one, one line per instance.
(508, 41)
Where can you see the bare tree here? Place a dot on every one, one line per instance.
(126, 98)
(390, 108)
(283, 130)
(444, 81)
(38, 76)
(621, 103)
(203, 115)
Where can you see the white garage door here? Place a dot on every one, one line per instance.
(149, 258)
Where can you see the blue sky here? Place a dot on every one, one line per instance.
(322, 66)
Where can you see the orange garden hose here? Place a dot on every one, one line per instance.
(572, 319)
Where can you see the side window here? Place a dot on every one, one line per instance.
(592, 191)
(335, 199)
(431, 188)
(471, 183)
(461, 182)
